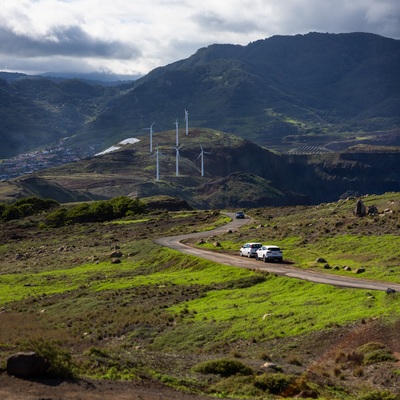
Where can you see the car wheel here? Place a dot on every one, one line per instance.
(249, 254)
(280, 260)
(256, 257)
(240, 254)
(265, 259)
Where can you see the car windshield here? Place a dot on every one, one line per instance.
(256, 246)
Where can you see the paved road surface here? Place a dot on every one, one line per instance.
(174, 242)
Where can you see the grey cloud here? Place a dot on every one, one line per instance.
(215, 23)
(72, 41)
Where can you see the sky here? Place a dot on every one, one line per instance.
(132, 37)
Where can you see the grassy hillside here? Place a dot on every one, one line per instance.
(124, 308)
(237, 173)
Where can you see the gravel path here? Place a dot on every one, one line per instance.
(175, 242)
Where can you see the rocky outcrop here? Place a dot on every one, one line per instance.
(26, 365)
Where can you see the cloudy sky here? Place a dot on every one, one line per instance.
(133, 37)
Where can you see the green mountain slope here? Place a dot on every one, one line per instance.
(277, 91)
(331, 90)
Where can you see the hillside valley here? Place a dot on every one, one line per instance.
(237, 173)
(332, 91)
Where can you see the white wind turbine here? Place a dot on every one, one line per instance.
(201, 156)
(151, 136)
(187, 121)
(176, 125)
(157, 154)
(177, 160)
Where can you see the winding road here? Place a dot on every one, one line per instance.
(175, 242)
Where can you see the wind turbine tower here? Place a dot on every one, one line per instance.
(151, 136)
(157, 154)
(187, 121)
(201, 156)
(177, 160)
(176, 125)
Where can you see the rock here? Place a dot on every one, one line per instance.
(20, 256)
(390, 291)
(116, 261)
(347, 268)
(327, 266)
(116, 254)
(271, 365)
(308, 394)
(360, 210)
(372, 210)
(217, 244)
(320, 260)
(26, 365)
(359, 270)
(201, 241)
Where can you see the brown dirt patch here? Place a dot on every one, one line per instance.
(52, 389)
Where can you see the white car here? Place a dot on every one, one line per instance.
(249, 249)
(269, 253)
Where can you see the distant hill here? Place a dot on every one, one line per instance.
(237, 173)
(327, 90)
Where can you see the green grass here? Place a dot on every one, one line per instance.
(145, 314)
(280, 307)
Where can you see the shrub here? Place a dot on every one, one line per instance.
(57, 218)
(379, 395)
(36, 204)
(60, 360)
(236, 386)
(25, 207)
(79, 213)
(123, 206)
(223, 367)
(379, 356)
(11, 212)
(98, 211)
(273, 383)
(375, 352)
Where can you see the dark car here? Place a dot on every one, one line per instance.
(240, 214)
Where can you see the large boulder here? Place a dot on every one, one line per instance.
(26, 365)
(360, 210)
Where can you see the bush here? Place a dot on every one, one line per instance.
(124, 206)
(57, 219)
(11, 212)
(25, 207)
(36, 204)
(379, 395)
(223, 367)
(273, 383)
(60, 360)
(98, 211)
(376, 352)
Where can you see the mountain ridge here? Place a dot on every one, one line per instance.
(316, 88)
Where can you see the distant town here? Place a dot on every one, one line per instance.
(28, 163)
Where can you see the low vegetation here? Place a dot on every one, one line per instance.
(99, 298)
